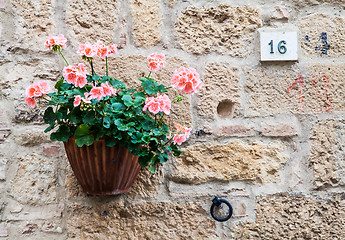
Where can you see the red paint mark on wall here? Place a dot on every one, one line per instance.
(299, 83)
(325, 85)
(322, 81)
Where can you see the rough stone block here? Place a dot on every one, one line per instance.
(312, 40)
(34, 182)
(146, 184)
(147, 21)
(146, 220)
(34, 21)
(328, 153)
(26, 114)
(220, 94)
(256, 162)
(273, 90)
(3, 230)
(52, 150)
(235, 131)
(2, 4)
(222, 29)
(3, 169)
(284, 216)
(31, 137)
(89, 21)
(239, 208)
(280, 13)
(2, 137)
(278, 130)
(178, 190)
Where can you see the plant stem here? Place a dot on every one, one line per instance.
(59, 49)
(160, 121)
(106, 65)
(149, 75)
(91, 64)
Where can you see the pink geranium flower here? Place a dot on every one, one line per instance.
(107, 89)
(31, 101)
(187, 80)
(80, 81)
(161, 103)
(165, 103)
(71, 77)
(97, 93)
(58, 41)
(179, 139)
(112, 49)
(156, 61)
(86, 98)
(36, 90)
(77, 100)
(102, 51)
(182, 134)
(75, 74)
(87, 50)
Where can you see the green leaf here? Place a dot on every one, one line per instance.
(74, 116)
(120, 125)
(110, 141)
(65, 86)
(150, 86)
(127, 100)
(117, 84)
(83, 136)
(107, 121)
(145, 159)
(61, 113)
(163, 157)
(51, 127)
(139, 101)
(161, 88)
(118, 107)
(157, 132)
(95, 77)
(105, 79)
(62, 134)
(58, 84)
(49, 116)
(90, 118)
(62, 99)
(148, 124)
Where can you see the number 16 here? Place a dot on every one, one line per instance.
(281, 48)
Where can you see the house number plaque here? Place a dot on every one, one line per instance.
(278, 46)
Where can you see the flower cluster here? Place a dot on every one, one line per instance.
(161, 103)
(96, 93)
(187, 80)
(181, 135)
(75, 74)
(36, 90)
(98, 49)
(55, 41)
(156, 61)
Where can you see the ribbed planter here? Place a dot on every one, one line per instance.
(102, 170)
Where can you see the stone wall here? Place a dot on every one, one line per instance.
(274, 149)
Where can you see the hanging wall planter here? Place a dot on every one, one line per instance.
(92, 114)
(102, 170)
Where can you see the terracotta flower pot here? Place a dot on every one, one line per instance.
(102, 170)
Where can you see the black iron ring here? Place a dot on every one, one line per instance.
(218, 202)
